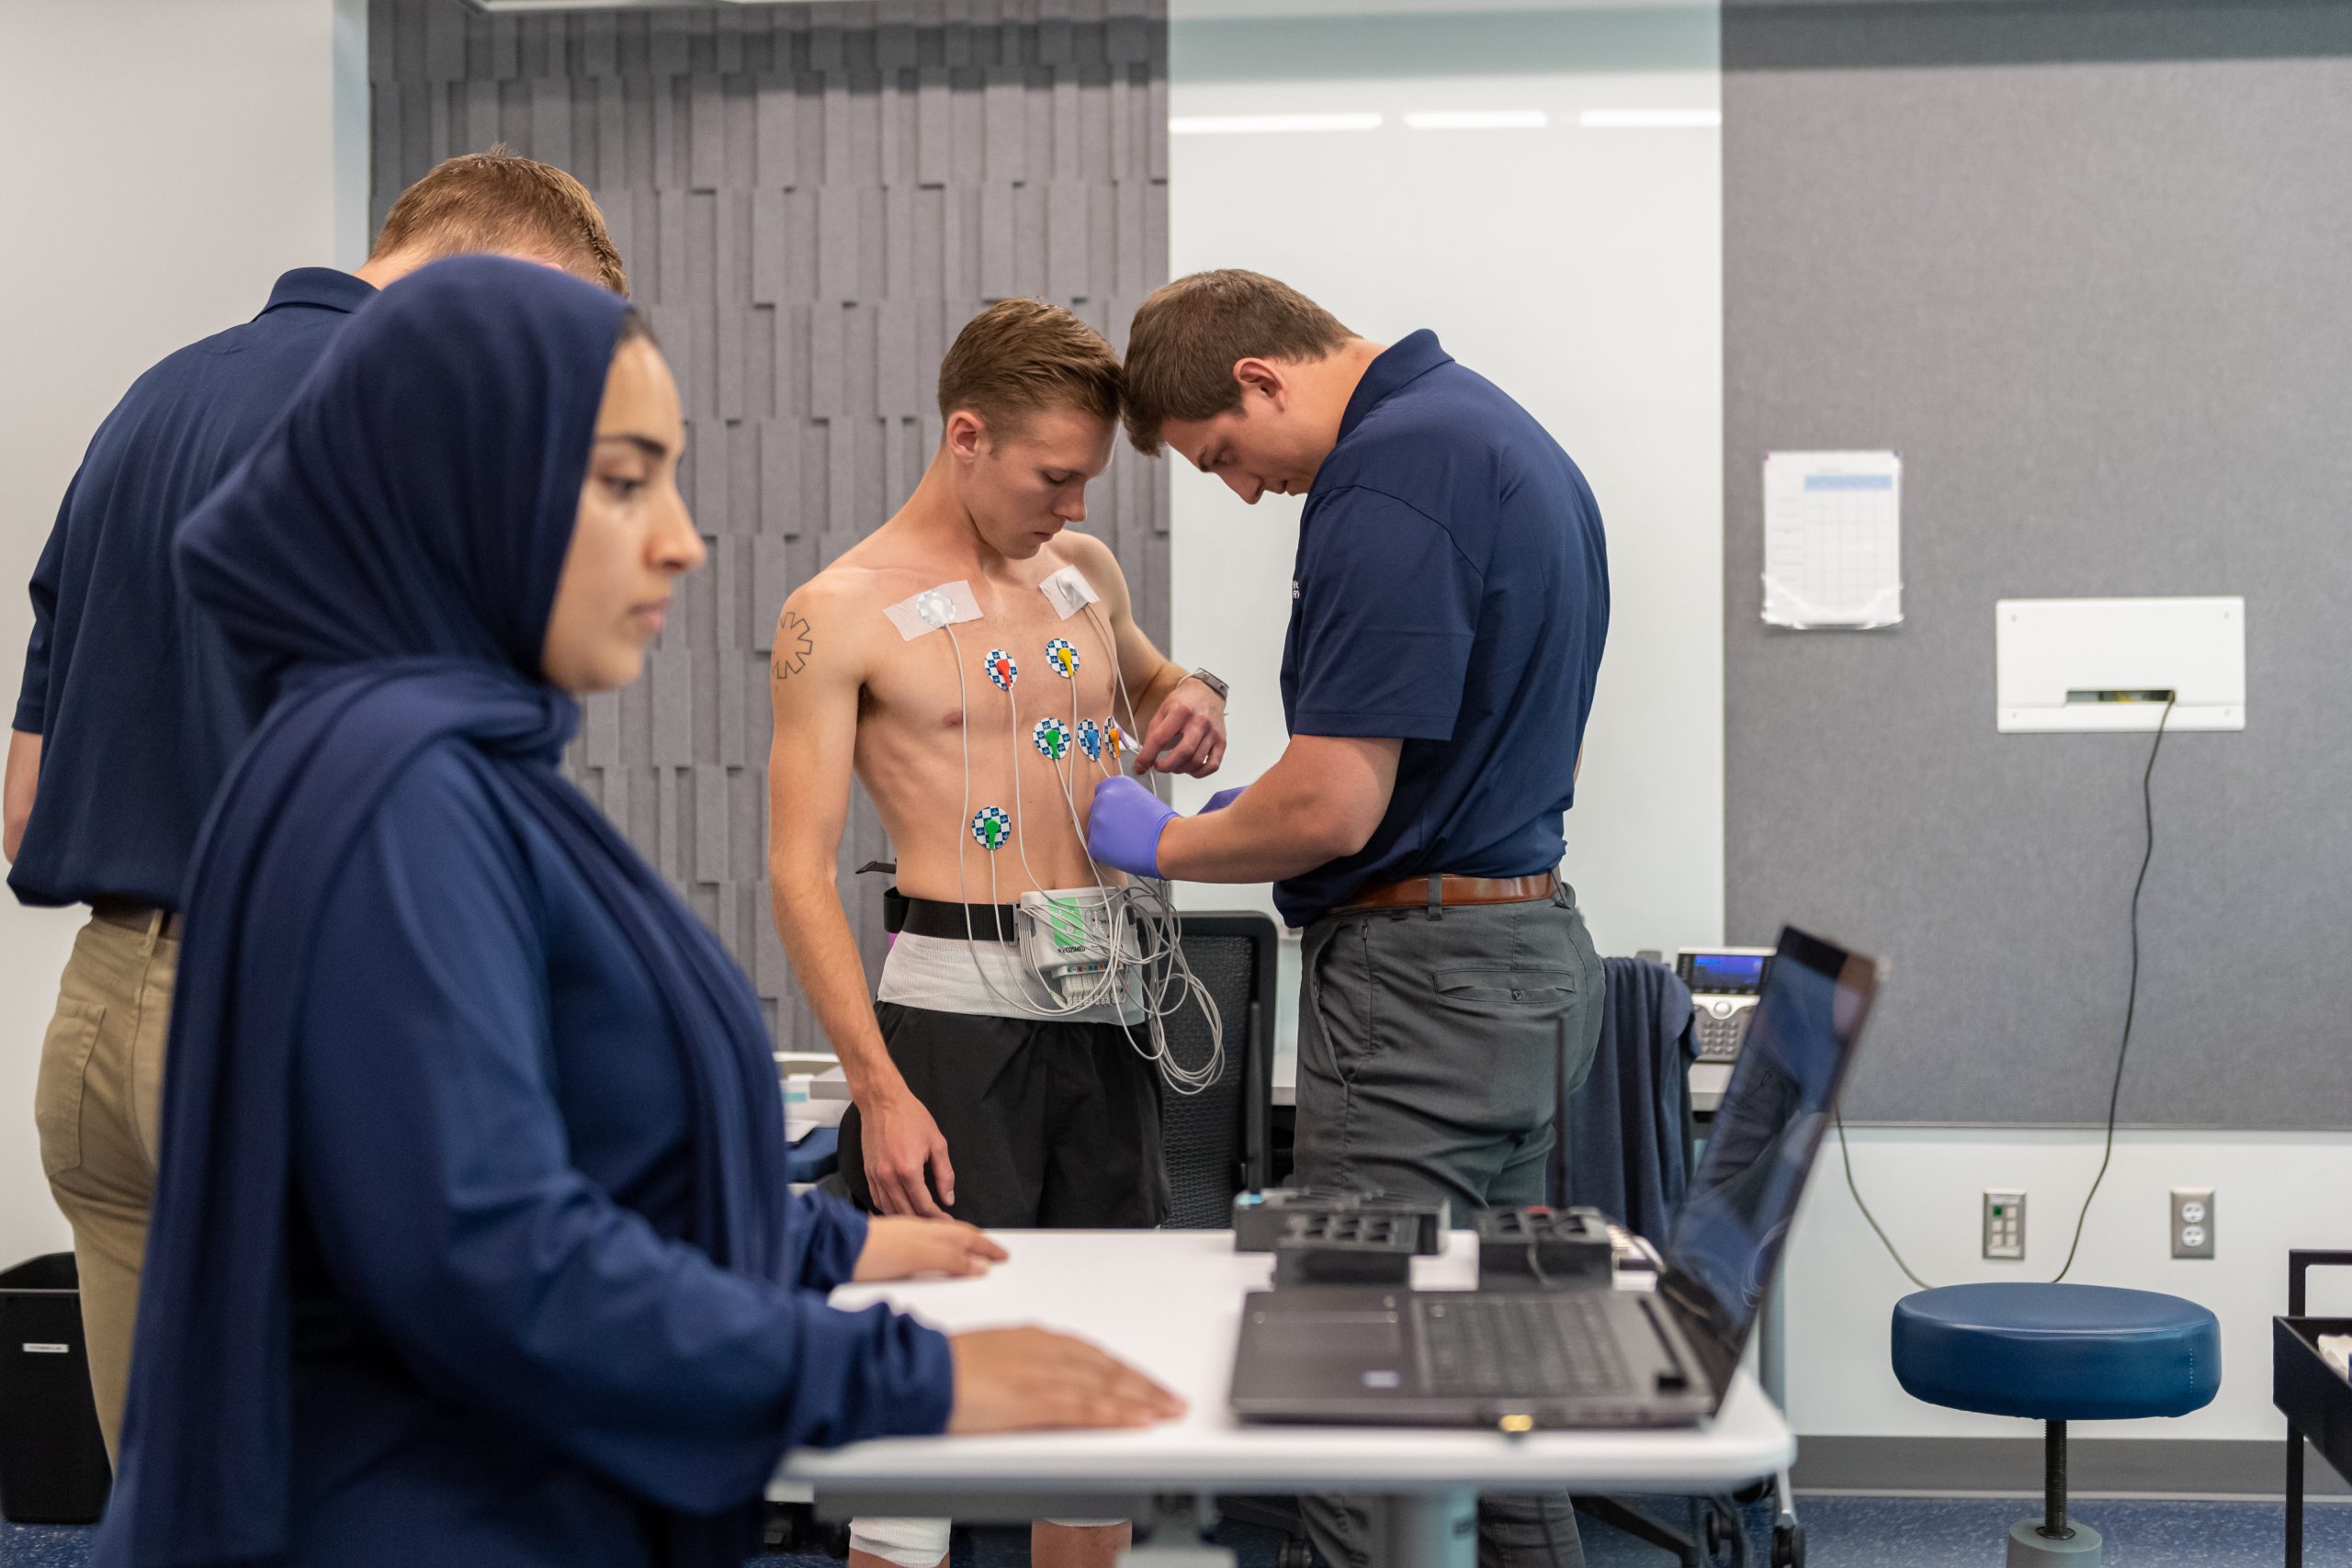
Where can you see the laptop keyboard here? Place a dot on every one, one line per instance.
(1540, 1344)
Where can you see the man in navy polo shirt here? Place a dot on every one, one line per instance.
(128, 716)
(1448, 612)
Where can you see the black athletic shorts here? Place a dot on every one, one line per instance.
(1049, 1124)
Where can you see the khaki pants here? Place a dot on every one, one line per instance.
(98, 1106)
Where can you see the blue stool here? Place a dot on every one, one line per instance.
(2056, 1354)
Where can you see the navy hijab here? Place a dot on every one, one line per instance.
(389, 557)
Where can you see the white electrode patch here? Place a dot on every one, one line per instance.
(1067, 592)
(934, 608)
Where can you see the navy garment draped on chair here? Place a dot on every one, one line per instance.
(389, 557)
(1627, 1127)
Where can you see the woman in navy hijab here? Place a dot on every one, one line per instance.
(472, 1242)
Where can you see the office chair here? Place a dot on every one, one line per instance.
(1216, 1141)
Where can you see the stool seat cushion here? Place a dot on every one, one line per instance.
(2057, 1352)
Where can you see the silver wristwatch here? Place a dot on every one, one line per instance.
(1212, 683)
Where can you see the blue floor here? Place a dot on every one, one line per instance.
(1841, 1532)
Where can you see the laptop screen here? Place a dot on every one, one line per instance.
(1725, 1243)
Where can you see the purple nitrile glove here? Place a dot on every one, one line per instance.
(1221, 799)
(1122, 827)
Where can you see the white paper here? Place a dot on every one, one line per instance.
(1833, 539)
(945, 605)
(1068, 590)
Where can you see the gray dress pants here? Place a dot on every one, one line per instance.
(1430, 1053)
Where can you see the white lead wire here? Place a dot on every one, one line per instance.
(1160, 967)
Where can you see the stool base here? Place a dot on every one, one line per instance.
(2029, 1548)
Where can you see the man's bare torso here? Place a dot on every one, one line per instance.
(913, 724)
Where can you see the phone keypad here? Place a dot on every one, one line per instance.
(1722, 1026)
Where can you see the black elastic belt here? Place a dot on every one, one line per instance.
(956, 922)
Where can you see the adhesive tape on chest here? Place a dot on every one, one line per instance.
(948, 604)
(1067, 592)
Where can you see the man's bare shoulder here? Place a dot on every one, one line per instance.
(844, 605)
(830, 612)
(840, 588)
(1094, 561)
(875, 574)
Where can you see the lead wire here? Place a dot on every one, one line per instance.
(1163, 963)
(1050, 1007)
(1164, 978)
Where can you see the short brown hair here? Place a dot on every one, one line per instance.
(1020, 358)
(500, 200)
(1190, 333)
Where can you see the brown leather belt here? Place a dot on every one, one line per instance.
(1447, 891)
(139, 918)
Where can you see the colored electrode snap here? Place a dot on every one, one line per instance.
(1052, 737)
(992, 827)
(1063, 658)
(1115, 741)
(1090, 740)
(1003, 671)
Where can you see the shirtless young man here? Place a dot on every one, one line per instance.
(966, 1102)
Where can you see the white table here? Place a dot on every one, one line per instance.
(1169, 1302)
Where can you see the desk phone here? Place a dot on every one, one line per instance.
(1724, 983)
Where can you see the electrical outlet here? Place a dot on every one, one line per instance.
(2005, 1224)
(2192, 1222)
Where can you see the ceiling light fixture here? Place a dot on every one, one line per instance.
(1268, 124)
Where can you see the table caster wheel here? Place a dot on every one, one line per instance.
(1294, 1554)
(1720, 1536)
(1788, 1545)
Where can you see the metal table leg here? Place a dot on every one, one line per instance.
(1428, 1529)
(2294, 1498)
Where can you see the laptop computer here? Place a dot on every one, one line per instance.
(1593, 1356)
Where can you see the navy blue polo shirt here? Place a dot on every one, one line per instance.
(1452, 591)
(130, 688)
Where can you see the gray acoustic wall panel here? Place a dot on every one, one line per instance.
(810, 199)
(2083, 266)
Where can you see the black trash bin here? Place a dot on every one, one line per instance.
(52, 1460)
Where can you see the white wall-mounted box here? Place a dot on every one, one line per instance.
(2096, 664)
